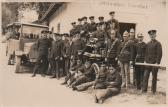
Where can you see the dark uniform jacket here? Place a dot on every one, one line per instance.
(92, 27)
(100, 35)
(117, 27)
(67, 48)
(78, 28)
(43, 44)
(57, 49)
(126, 51)
(112, 47)
(88, 72)
(116, 78)
(74, 31)
(85, 29)
(153, 52)
(140, 49)
(77, 46)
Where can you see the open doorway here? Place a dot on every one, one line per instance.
(126, 26)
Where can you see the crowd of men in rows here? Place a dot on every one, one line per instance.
(63, 55)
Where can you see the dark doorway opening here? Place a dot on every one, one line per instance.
(126, 26)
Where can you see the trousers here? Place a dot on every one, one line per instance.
(125, 73)
(154, 71)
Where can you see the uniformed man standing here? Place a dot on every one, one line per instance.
(153, 55)
(112, 49)
(113, 20)
(73, 31)
(134, 41)
(140, 48)
(50, 37)
(125, 56)
(85, 29)
(56, 54)
(43, 45)
(92, 25)
(78, 47)
(67, 52)
(79, 26)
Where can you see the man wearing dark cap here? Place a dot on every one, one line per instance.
(112, 48)
(67, 48)
(153, 55)
(73, 31)
(134, 41)
(102, 22)
(43, 45)
(92, 24)
(140, 48)
(88, 75)
(125, 56)
(113, 20)
(99, 36)
(85, 29)
(50, 37)
(56, 55)
(79, 25)
(77, 45)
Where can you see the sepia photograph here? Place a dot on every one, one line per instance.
(83, 53)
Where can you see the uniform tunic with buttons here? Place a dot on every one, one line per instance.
(153, 52)
(140, 49)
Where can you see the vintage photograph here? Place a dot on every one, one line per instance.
(83, 53)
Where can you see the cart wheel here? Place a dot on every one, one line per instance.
(96, 68)
(18, 64)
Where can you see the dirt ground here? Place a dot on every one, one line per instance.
(21, 90)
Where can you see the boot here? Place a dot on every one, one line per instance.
(64, 83)
(54, 76)
(95, 99)
(33, 75)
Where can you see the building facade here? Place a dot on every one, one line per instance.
(142, 15)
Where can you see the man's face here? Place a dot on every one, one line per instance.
(58, 37)
(112, 16)
(140, 39)
(98, 27)
(87, 64)
(101, 20)
(73, 25)
(79, 22)
(102, 68)
(84, 20)
(152, 36)
(44, 35)
(125, 36)
(132, 35)
(91, 20)
(66, 37)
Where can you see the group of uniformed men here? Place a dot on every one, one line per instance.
(63, 55)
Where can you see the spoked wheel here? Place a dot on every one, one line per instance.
(96, 68)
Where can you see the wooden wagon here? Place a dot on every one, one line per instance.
(24, 48)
